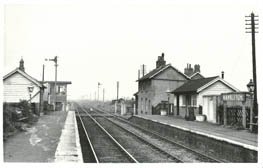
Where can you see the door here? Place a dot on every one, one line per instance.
(209, 109)
(205, 106)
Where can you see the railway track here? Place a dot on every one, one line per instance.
(104, 147)
(180, 151)
(138, 147)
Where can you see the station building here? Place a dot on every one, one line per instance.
(154, 87)
(201, 96)
(167, 89)
(19, 85)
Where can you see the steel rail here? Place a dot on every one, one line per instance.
(87, 136)
(112, 138)
(146, 141)
(161, 137)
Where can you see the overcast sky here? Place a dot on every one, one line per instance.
(108, 41)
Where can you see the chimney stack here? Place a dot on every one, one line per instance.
(222, 74)
(21, 65)
(160, 61)
(186, 69)
(189, 71)
(197, 68)
(143, 70)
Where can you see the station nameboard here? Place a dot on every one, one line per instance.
(234, 97)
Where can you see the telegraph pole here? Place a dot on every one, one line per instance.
(143, 70)
(98, 91)
(116, 102)
(42, 90)
(252, 29)
(56, 72)
(103, 94)
(43, 73)
(117, 90)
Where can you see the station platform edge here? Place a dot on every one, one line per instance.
(69, 149)
(209, 135)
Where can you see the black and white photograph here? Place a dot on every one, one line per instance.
(136, 83)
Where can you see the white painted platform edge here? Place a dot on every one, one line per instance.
(251, 147)
(80, 159)
(62, 154)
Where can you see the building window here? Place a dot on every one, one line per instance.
(146, 107)
(61, 89)
(141, 105)
(149, 104)
(58, 89)
(194, 100)
(183, 100)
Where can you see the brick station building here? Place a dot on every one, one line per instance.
(153, 86)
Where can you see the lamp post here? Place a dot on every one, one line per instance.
(55, 59)
(30, 91)
(168, 92)
(251, 86)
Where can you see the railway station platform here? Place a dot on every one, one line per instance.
(68, 149)
(47, 140)
(243, 138)
(224, 143)
(238, 137)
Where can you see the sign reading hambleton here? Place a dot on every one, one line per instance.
(238, 96)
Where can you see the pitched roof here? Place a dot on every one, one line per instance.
(158, 70)
(193, 85)
(58, 82)
(214, 81)
(197, 85)
(17, 70)
(195, 74)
